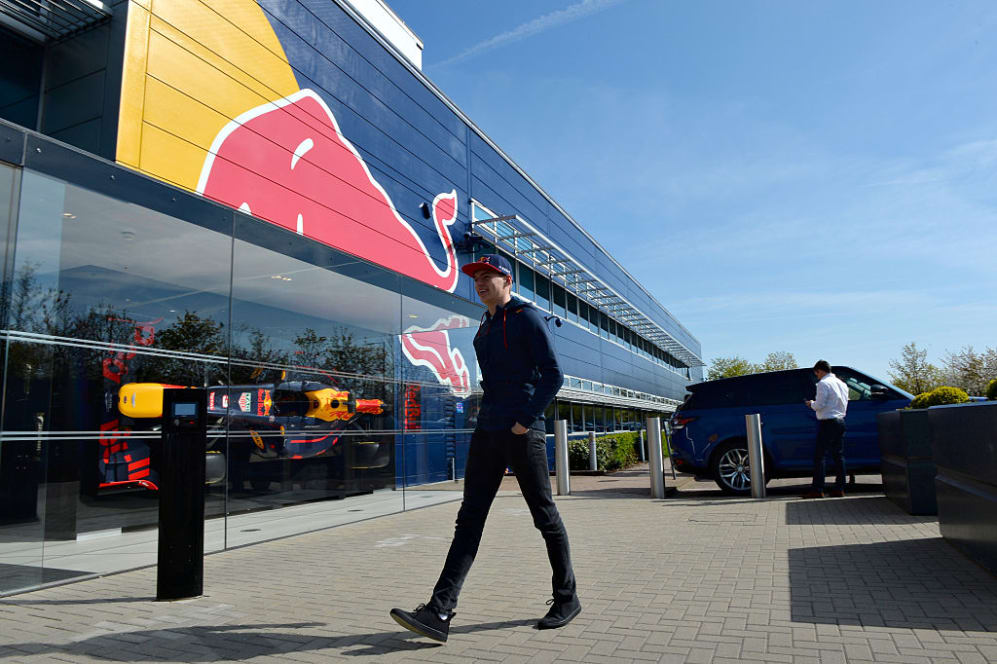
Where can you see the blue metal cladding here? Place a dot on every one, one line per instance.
(417, 146)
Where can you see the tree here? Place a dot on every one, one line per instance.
(912, 372)
(190, 333)
(728, 367)
(778, 361)
(970, 370)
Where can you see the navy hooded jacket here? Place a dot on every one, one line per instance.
(520, 374)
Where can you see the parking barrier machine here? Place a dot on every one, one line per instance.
(180, 570)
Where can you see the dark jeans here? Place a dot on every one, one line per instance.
(490, 453)
(830, 437)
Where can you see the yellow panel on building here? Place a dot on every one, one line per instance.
(189, 69)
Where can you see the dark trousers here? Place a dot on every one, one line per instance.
(490, 453)
(830, 440)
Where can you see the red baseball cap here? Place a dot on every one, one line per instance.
(489, 262)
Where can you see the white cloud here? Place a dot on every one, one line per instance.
(533, 27)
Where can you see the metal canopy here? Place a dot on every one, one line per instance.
(45, 20)
(515, 235)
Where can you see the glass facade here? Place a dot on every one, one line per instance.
(323, 375)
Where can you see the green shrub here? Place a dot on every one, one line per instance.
(612, 452)
(578, 453)
(939, 396)
(991, 390)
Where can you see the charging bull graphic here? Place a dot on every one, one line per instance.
(287, 162)
(430, 348)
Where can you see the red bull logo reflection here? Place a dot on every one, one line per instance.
(288, 162)
(430, 348)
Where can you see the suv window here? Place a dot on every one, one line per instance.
(859, 387)
(767, 389)
(791, 387)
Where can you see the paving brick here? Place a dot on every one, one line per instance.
(791, 581)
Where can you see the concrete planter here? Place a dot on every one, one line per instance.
(964, 446)
(906, 460)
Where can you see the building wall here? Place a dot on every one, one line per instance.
(192, 75)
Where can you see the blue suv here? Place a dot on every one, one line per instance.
(709, 437)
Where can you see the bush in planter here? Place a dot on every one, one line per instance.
(992, 390)
(939, 396)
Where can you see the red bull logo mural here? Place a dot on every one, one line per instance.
(288, 162)
(430, 348)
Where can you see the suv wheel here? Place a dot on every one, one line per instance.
(731, 470)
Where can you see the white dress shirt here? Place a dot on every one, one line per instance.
(832, 398)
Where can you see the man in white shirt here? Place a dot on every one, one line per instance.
(831, 405)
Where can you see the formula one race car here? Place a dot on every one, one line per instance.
(288, 420)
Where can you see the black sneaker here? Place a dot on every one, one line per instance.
(560, 614)
(425, 622)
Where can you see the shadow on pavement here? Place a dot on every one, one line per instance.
(844, 511)
(214, 643)
(922, 583)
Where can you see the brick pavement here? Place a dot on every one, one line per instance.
(693, 578)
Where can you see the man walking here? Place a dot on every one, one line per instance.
(520, 377)
(831, 405)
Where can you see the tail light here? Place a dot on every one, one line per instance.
(679, 421)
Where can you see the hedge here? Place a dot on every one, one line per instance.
(939, 396)
(612, 451)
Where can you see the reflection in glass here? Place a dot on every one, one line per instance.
(310, 408)
(559, 301)
(526, 284)
(564, 412)
(542, 289)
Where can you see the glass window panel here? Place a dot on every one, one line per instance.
(572, 308)
(593, 319)
(542, 290)
(318, 332)
(559, 301)
(91, 267)
(564, 412)
(577, 418)
(603, 325)
(526, 282)
(8, 176)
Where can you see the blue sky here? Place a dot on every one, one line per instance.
(814, 177)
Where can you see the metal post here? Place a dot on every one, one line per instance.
(593, 461)
(756, 460)
(654, 452)
(668, 448)
(453, 468)
(643, 456)
(561, 457)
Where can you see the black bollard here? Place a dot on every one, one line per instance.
(180, 572)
